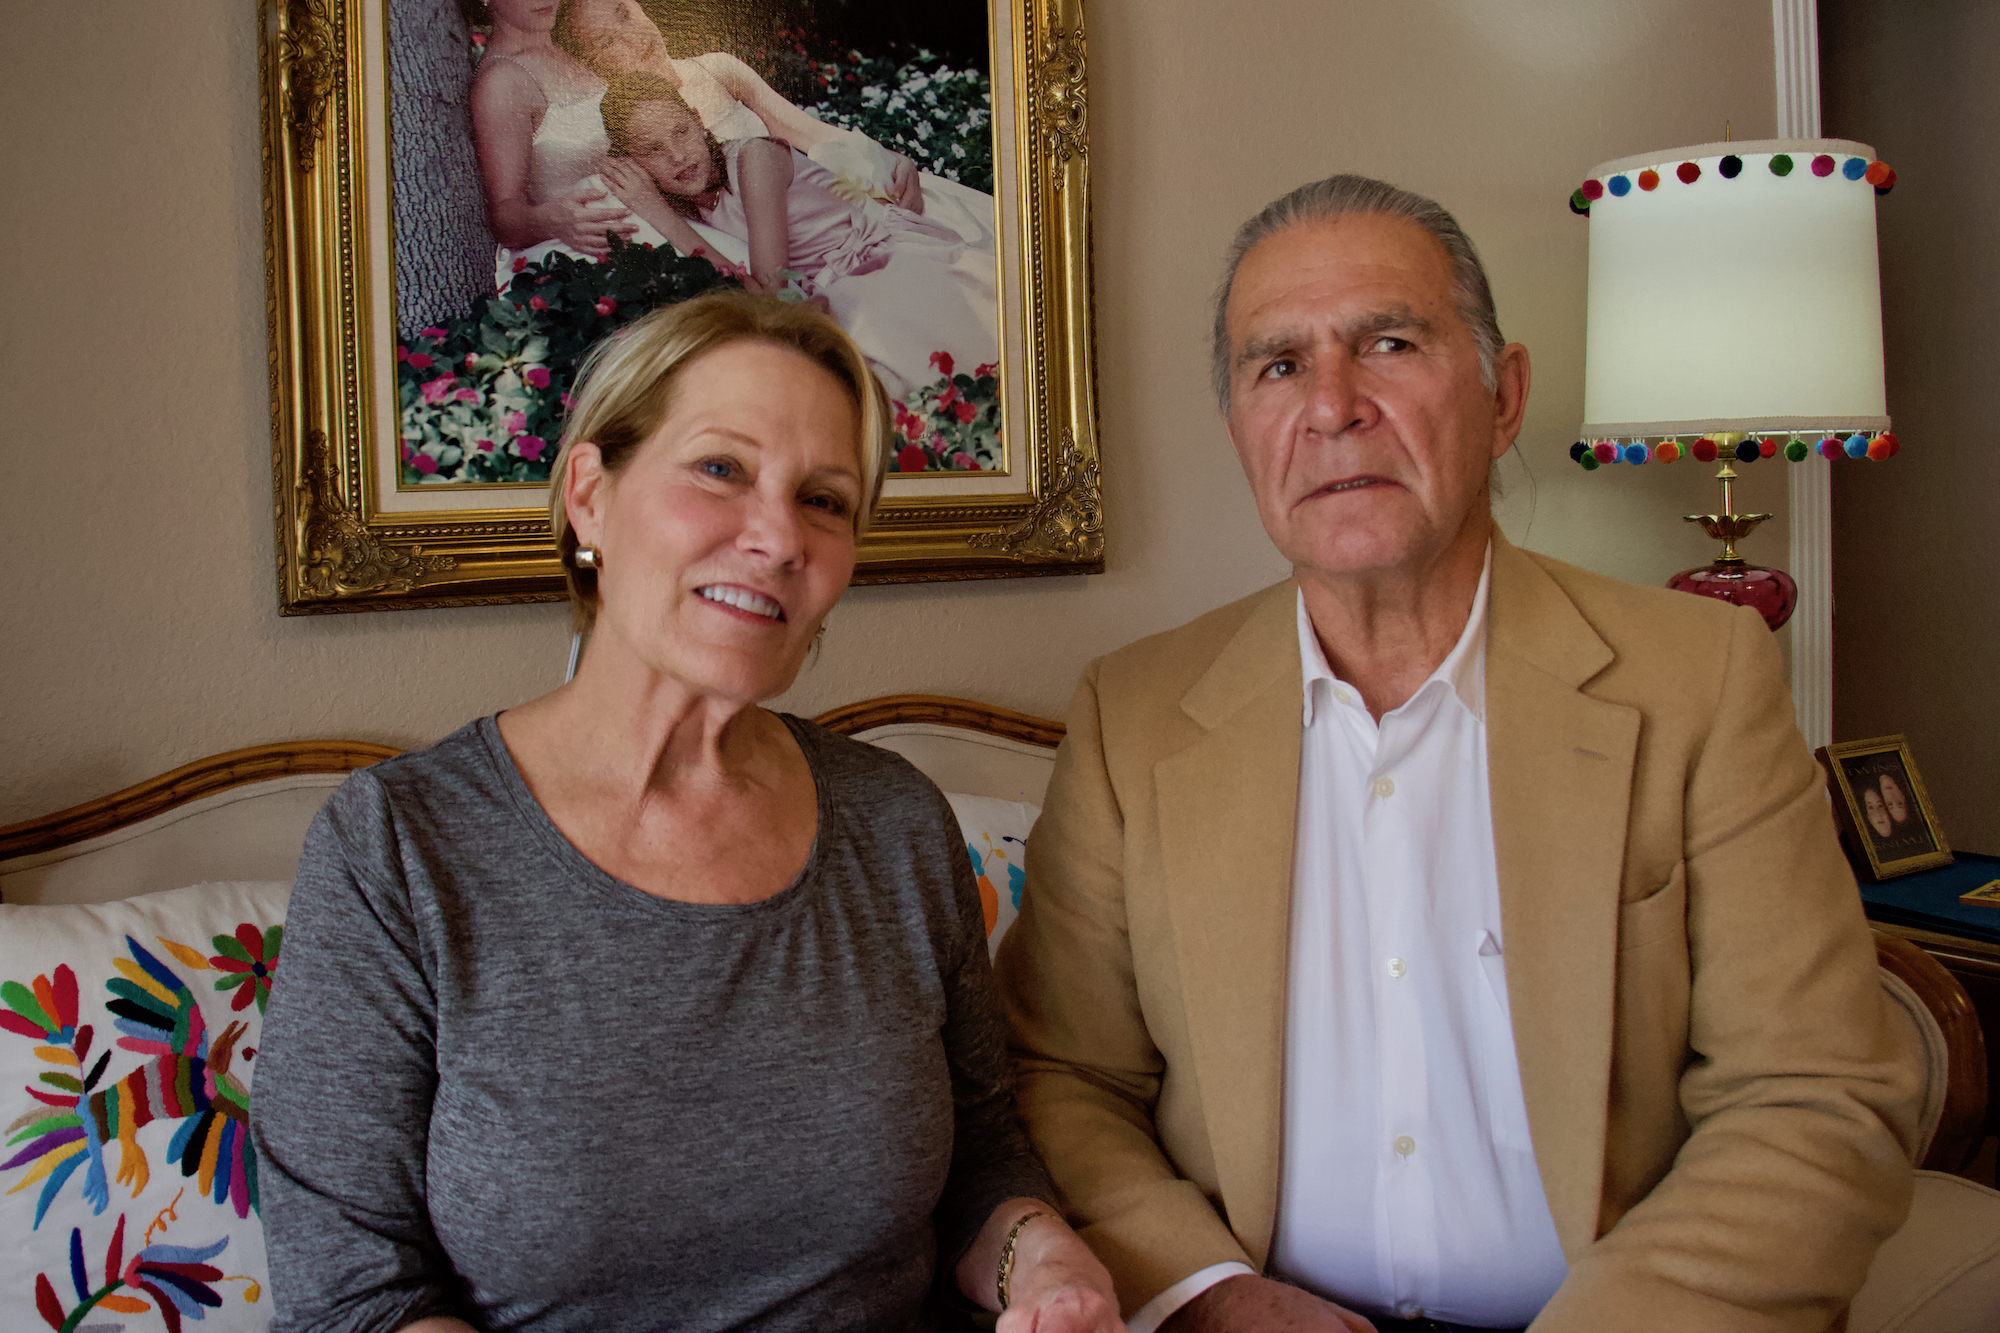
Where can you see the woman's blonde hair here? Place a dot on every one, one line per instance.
(626, 385)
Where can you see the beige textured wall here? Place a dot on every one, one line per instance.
(138, 624)
(1916, 546)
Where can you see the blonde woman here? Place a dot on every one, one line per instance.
(639, 1006)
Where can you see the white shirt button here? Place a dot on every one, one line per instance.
(1384, 787)
(1342, 696)
(1404, 1145)
(1397, 967)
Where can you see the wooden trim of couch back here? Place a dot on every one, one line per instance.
(1961, 1127)
(942, 710)
(189, 782)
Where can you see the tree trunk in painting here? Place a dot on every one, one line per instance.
(444, 250)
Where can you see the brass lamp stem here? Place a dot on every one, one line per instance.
(1728, 527)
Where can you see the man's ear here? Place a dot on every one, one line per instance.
(1511, 374)
(586, 489)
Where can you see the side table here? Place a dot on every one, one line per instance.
(1965, 937)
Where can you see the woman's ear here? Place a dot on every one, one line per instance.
(586, 488)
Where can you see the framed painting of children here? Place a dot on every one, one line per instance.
(462, 196)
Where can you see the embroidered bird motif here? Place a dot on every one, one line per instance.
(187, 1079)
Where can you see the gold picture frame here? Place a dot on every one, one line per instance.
(348, 541)
(1886, 821)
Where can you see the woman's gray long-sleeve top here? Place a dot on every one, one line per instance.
(499, 1083)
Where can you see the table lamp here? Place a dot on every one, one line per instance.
(1735, 315)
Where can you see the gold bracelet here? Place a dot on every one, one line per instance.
(1007, 1251)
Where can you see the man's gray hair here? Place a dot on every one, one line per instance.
(1339, 196)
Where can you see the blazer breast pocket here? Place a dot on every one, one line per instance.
(1657, 916)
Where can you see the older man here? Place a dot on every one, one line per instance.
(1446, 934)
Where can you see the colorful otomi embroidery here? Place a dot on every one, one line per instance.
(187, 1080)
(989, 866)
(178, 1278)
(248, 960)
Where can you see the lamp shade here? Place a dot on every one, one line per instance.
(1734, 287)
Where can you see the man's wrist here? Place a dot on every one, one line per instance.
(1154, 1313)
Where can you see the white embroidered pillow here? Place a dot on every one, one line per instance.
(996, 836)
(128, 1033)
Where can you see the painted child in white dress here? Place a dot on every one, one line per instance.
(904, 287)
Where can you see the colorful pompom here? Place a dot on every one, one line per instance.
(1593, 190)
(1649, 179)
(1590, 463)
(1578, 450)
(1688, 172)
(1747, 451)
(1767, 447)
(1667, 451)
(1854, 168)
(1829, 447)
(1605, 451)
(1731, 166)
(1857, 445)
(1795, 450)
(1578, 204)
(1637, 452)
(1877, 173)
(1887, 184)
(1703, 450)
(1781, 164)
(1823, 165)
(1895, 445)
(1620, 186)
(1879, 448)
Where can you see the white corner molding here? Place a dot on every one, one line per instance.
(1795, 33)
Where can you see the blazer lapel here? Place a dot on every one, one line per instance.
(1560, 766)
(1226, 809)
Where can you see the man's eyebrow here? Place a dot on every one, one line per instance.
(1395, 318)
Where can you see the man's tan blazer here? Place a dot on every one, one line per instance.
(1718, 1106)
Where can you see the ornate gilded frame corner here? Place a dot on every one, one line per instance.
(338, 549)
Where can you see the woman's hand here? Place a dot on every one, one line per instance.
(906, 186)
(1056, 1284)
(580, 216)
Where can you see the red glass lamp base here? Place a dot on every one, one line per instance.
(1769, 592)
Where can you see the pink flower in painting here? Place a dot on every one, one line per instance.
(965, 412)
(565, 400)
(606, 306)
(942, 360)
(983, 371)
(914, 427)
(402, 352)
(421, 360)
(537, 303)
(439, 389)
(537, 376)
(424, 463)
(520, 262)
(470, 357)
(911, 459)
(406, 451)
(434, 332)
(949, 396)
(467, 395)
(516, 423)
(485, 446)
(530, 447)
(965, 462)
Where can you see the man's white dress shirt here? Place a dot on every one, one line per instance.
(1408, 1183)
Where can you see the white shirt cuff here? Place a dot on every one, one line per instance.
(1157, 1311)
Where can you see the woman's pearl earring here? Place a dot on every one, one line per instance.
(586, 558)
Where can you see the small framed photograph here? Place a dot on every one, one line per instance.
(1885, 816)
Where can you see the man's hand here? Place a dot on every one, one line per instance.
(1246, 1304)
